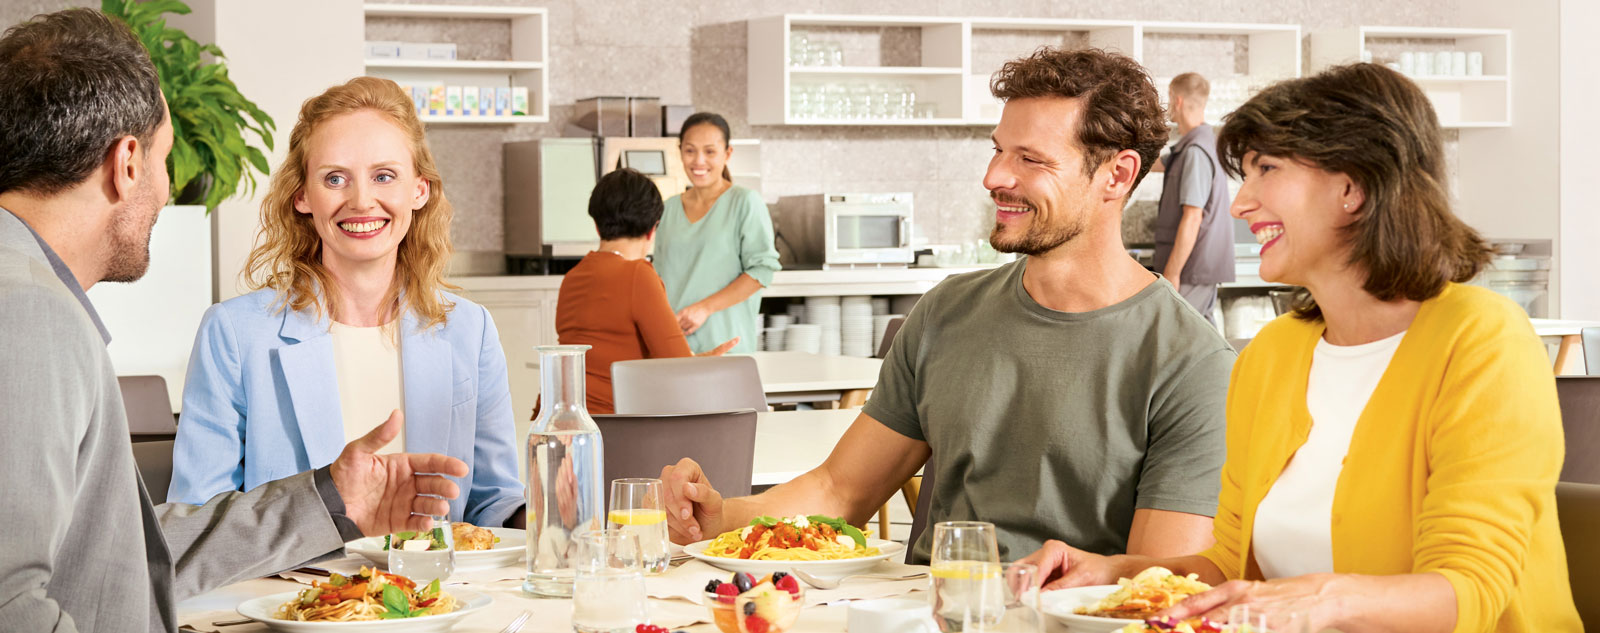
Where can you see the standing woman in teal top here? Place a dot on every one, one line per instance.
(714, 249)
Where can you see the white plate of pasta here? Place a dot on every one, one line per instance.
(370, 601)
(497, 547)
(818, 545)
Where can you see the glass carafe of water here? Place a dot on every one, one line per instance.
(565, 472)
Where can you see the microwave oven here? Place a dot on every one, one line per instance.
(843, 230)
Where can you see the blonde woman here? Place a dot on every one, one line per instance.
(349, 322)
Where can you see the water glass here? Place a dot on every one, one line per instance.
(608, 594)
(965, 566)
(637, 507)
(799, 48)
(835, 53)
(424, 556)
(1245, 618)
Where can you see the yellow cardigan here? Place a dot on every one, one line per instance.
(1452, 466)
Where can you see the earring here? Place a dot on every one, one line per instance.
(1346, 206)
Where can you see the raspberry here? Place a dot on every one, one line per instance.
(789, 584)
(755, 624)
(726, 592)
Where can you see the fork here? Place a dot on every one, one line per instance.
(516, 625)
(833, 583)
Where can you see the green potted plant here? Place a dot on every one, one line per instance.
(210, 157)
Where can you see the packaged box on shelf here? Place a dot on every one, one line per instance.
(442, 51)
(469, 100)
(436, 100)
(519, 100)
(502, 101)
(382, 50)
(409, 50)
(452, 100)
(486, 101)
(419, 96)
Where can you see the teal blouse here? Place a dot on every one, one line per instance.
(697, 260)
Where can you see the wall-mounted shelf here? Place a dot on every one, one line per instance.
(958, 56)
(1481, 101)
(530, 54)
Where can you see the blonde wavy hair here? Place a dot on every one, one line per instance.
(288, 253)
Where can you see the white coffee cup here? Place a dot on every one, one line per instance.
(1424, 64)
(1408, 63)
(1475, 64)
(1442, 62)
(1458, 63)
(890, 615)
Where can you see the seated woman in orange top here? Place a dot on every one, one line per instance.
(613, 300)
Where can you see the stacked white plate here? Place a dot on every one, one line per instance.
(880, 305)
(803, 337)
(824, 312)
(880, 324)
(855, 326)
(773, 341)
(797, 313)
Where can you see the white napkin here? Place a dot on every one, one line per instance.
(688, 582)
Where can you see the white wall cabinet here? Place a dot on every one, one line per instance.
(957, 59)
(1461, 101)
(528, 66)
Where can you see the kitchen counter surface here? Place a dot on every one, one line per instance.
(785, 283)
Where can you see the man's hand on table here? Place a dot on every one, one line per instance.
(386, 493)
(694, 508)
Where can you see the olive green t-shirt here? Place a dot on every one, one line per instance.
(1057, 425)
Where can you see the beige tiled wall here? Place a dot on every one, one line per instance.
(694, 53)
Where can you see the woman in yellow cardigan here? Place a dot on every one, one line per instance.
(1393, 446)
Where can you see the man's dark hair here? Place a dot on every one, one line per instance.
(1121, 108)
(625, 204)
(71, 84)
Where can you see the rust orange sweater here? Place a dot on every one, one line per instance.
(619, 307)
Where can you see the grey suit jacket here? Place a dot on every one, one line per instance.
(84, 549)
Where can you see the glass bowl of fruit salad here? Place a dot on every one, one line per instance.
(747, 604)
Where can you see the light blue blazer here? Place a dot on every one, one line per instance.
(261, 402)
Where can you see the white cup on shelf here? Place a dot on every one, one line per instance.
(1475, 64)
(1424, 64)
(1458, 63)
(1442, 63)
(1408, 63)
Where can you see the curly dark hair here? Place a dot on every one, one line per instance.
(1121, 108)
(1377, 127)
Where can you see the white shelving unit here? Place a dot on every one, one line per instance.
(948, 77)
(1460, 101)
(530, 53)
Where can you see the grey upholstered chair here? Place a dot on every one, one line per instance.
(722, 442)
(149, 410)
(154, 459)
(1591, 350)
(1578, 506)
(889, 331)
(687, 385)
(1580, 415)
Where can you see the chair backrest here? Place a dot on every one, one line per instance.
(687, 385)
(1591, 350)
(148, 408)
(919, 516)
(1580, 415)
(1578, 506)
(155, 467)
(722, 442)
(889, 331)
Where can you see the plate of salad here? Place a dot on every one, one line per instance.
(506, 547)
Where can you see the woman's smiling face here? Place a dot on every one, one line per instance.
(361, 188)
(1298, 214)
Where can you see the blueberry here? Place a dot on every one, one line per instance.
(749, 609)
(743, 581)
(778, 575)
(711, 587)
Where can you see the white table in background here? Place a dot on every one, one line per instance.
(804, 377)
(1567, 335)
(790, 443)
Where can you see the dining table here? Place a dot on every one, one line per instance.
(790, 443)
(789, 377)
(1567, 336)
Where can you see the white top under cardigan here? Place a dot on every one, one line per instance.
(1294, 523)
(367, 362)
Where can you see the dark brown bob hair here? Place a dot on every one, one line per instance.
(1121, 108)
(1377, 127)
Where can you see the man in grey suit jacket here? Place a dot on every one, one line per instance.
(84, 136)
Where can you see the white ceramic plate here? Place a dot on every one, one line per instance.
(507, 552)
(1064, 603)
(886, 549)
(261, 609)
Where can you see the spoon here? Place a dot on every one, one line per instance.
(833, 583)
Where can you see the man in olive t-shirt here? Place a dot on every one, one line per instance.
(1071, 395)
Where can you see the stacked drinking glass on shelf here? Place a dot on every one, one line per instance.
(1436, 63)
(857, 101)
(806, 51)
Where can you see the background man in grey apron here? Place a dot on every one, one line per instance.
(1194, 235)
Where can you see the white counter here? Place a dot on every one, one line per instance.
(785, 283)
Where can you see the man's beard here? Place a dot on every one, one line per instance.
(1039, 239)
(130, 239)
